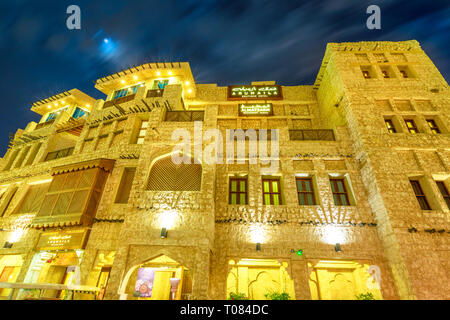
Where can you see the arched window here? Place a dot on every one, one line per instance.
(168, 176)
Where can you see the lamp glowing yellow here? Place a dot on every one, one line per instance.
(187, 83)
(189, 90)
(88, 105)
(16, 235)
(168, 218)
(158, 73)
(333, 235)
(135, 77)
(170, 73)
(122, 81)
(257, 233)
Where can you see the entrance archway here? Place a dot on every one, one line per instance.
(341, 280)
(160, 278)
(257, 277)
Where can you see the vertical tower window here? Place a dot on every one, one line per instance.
(305, 191)
(238, 191)
(340, 194)
(142, 132)
(444, 191)
(411, 125)
(433, 126)
(390, 126)
(125, 185)
(271, 191)
(421, 198)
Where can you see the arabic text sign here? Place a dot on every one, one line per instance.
(254, 92)
(255, 109)
(73, 239)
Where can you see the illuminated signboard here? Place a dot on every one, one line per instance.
(255, 109)
(254, 92)
(73, 239)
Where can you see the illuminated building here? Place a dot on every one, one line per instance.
(361, 190)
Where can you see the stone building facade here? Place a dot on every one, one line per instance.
(358, 204)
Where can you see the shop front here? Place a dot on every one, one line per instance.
(10, 266)
(161, 278)
(56, 261)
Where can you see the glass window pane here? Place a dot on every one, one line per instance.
(140, 141)
(144, 124)
(276, 200)
(266, 186)
(301, 199)
(233, 198)
(242, 186)
(142, 133)
(340, 186)
(242, 198)
(310, 199)
(267, 199)
(233, 185)
(336, 200)
(274, 186)
(333, 186)
(343, 200)
(308, 185)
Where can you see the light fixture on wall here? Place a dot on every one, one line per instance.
(337, 247)
(258, 246)
(164, 233)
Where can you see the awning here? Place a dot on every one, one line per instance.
(105, 164)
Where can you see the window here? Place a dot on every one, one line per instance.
(160, 84)
(385, 74)
(404, 74)
(238, 191)
(165, 175)
(305, 191)
(411, 125)
(433, 126)
(59, 154)
(142, 132)
(366, 74)
(125, 185)
(126, 91)
(7, 201)
(420, 195)
(339, 190)
(390, 126)
(33, 199)
(78, 113)
(51, 116)
(271, 191)
(444, 191)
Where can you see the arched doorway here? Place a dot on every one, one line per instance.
(160, 278)
(341, 280)
(257, 277)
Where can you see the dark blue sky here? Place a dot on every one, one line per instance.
(226, 42)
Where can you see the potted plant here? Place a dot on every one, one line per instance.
(365, 296)
(237, 296)
(278, 296)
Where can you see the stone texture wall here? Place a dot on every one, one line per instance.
(208, 232)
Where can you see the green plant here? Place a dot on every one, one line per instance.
(365, 296)
(278, 296)
(237, 296)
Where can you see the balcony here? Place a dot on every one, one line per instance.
(312, 135)
(44, 124)
(110, 103)
(184, 116)
(155, 93)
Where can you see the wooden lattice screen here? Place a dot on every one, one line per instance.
(168, 176)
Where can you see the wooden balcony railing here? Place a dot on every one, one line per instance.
(110, 103)
(155, 93)
(312, 134)
(184, 116)
(44, 124)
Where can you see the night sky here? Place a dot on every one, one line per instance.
(226, 42)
